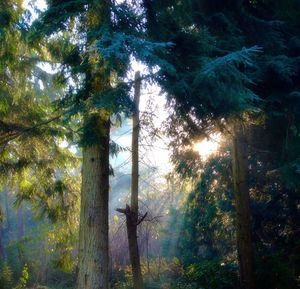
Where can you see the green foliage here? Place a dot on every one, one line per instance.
(203, 229)
(216, 60)
(277, 270)
(56, 199)
(30, 130)
(56, 17)
(115, 99)
(119, 47)
(62, 280)
(23, 279)
(6, 276)
(160, 273)
(208, 275)
(157, 273)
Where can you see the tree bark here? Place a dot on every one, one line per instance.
(242, 205)
(135, 145)
(132, 218)
(131, 224)
(93, 230)
(132, 212)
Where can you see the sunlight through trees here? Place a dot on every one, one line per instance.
(149, 144)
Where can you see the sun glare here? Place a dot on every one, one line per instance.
(208, 146)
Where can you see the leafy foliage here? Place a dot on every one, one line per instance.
(208, 274)
(6, 277)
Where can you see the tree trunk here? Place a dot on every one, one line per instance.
(242, 205)
(93, 230)
(132, 218)
(132, 212)
(135, 145)
(93, 266)
(134, 251)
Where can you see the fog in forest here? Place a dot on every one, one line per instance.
(149, 144)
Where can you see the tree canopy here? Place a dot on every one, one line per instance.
(229, 73)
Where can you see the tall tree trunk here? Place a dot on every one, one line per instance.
(93, 235)
(135, 146)
(242, 205)
(132, 218)
(93, 264)
(132, 212)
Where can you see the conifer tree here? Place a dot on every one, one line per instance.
(84, 20)
(214, 82)
(94, 43)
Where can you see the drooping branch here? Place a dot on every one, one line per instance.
(16, 130)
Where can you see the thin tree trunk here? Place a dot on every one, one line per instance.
(131, 212)
(134, 252)
(242, 205)
(132, 219)
(135, 145)
(93, 235)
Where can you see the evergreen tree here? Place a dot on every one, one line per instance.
(216, 82)
(94, 43)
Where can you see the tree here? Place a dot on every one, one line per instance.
(93, 231)
(242, 205)
(132, 212)
(33, 165)
(211, 92)
(109, 35)
(206, 91)
(91, 97)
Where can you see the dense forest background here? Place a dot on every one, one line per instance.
(150, 144)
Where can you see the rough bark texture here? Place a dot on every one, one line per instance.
(93, 235)
(135, 145)
(242, 205)
(134, 251)
(93, 230)
(132, 217)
